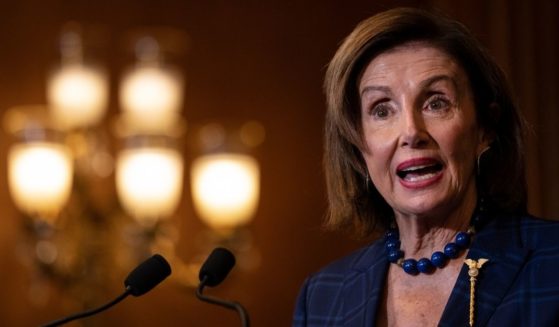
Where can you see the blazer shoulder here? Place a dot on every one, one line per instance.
(321, 299)
(539, 233)
(357, 260)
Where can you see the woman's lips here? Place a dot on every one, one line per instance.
(419, 172)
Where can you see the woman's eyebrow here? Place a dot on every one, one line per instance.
(370, 88)
(434, 79)
(425, 83)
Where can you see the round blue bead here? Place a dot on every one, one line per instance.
(451, 250)
(392, 244)
(425, 266)
(463, 239)
(439, 259)
(394, 255)
(410, 266)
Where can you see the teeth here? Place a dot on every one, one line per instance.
(413, 168)
(417, 178)
(419, 172)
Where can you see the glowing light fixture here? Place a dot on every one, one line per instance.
(78, 95)
(149, 182)
(225, 189)
(40, 178)
(151, 92)
(77, 90)
(55, 145)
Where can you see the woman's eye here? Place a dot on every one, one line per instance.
(438, 103)
(380, 111)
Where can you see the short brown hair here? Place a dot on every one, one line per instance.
(354, 203)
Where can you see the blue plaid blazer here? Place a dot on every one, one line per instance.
(519, 286)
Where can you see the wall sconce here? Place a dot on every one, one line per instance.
(40, 176)
(149, 182)
(53, 160)
(77, 88)
(225, 189)
(40, 168)
(225, 184)
(151, 91)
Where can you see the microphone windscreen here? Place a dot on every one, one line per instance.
(147, 275)
(217, 266)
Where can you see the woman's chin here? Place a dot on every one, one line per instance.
(428, 204)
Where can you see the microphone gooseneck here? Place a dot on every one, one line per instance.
(213, 272)
(140, 281)
(88, 313)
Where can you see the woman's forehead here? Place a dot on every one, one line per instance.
(417, 62)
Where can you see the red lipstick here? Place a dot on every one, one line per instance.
(419, 172)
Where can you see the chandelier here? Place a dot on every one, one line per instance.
(97, 191)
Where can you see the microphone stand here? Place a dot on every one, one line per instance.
(227, 304)
(91, 312)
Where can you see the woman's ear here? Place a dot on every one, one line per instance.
(487, 134)
(486, 138)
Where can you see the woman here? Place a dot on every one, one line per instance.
(424, 142)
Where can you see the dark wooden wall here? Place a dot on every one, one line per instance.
(259, 60)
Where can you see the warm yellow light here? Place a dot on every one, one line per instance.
(77, 95)
(149, 182)
(40, 178)
(225, 188)
(151, 97)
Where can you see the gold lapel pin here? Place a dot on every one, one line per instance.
(473, 272)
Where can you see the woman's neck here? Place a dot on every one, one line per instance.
(420, 236)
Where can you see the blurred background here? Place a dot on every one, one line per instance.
(238, 94)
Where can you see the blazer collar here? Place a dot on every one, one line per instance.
(364, 286)
(499, 242)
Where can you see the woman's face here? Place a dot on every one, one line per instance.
(420, 129)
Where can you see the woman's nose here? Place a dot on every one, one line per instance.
(413, 130)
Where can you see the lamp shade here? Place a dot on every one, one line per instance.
(40, 177)
(151, 97)
(149, 182)
(225, 189)
(77, 95)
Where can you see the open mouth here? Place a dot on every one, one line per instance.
(419, 172)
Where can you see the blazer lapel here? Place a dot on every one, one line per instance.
(364, 287)
(500, 243)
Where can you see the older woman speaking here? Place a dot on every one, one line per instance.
(424, 142)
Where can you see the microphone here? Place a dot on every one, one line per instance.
(213, 272)
(140, 281)
(147, 275)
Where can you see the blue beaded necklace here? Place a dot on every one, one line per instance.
(424, 265)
